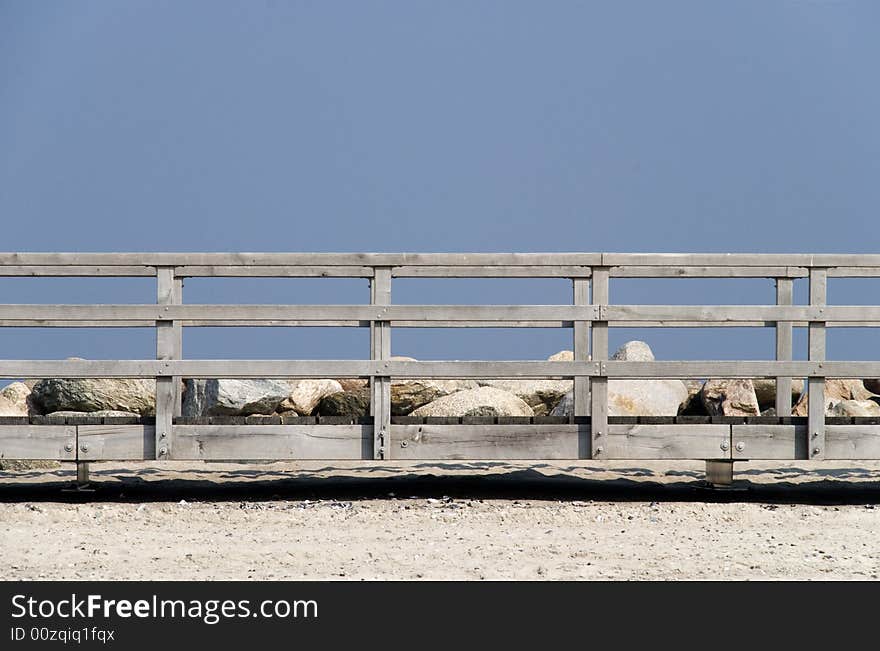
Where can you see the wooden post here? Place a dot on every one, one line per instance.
(784, 296)
(380, 348)
(599, 384)
(816, 418)
(581, 394)
(168, 346)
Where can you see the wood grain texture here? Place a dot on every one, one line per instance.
(476, 442)
(38, 442)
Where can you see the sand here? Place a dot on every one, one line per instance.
(614, 520)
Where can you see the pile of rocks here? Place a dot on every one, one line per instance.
(429, 397)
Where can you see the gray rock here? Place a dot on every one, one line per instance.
(730, 398)
(131, 395)
(541, 395)
(836, 390)
(407, 395)
(483, 401)
(96, 414)
(229, 397)
(765, 391)
(354, 404)
(854, 408)
(306, 394)
(636, 397)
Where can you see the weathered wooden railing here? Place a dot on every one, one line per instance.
(588, 434)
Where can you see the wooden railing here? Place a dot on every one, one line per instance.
(588, 434)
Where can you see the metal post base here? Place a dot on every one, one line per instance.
(719, 474)
(82, 484)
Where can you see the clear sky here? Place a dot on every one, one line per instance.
(436, 126)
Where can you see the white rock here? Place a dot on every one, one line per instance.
(15, 400)
(407, 395)
(541, 395)
(483, 401)
(306, 394)
(855, 408)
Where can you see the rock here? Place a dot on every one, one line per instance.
(771, 411)
(354, 404)
(17, 465)
(836, 390)
(96, 414)
(562, 356)
(306, 394)
(541, 395)
(131, 395)
(730, 398)
(226, 397)
(482, 401)
(634, 351)
(636, 397)
(693, 404)
(15, 400)
(765, 391)
(855, 408)
(407, 395)
(353, 383)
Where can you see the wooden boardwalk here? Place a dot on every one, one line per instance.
(588, 434)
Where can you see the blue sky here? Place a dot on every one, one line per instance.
(436, 126)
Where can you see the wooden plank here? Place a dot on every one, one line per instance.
(784, 296)
(231, 442)
(738, 369)
(478, 442)
(581, 350)
(380, 349)
(770, 442)
(327, 313)
(167, 346)
(38, 442)
(737, 313)
(117, 442)
(690, 271)
(852, 441)
(667, 442)
(76, 271)
(816, 385)
(494, 271)
(274, 271)
(599, 385)
(237, 368)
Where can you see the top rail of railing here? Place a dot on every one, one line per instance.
(363, 265)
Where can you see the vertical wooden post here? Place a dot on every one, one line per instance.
(816, 334)
(380, 348)
(784, 296)
(599, 385)
(581, 350)
(168, 346)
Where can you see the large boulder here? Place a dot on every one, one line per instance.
(407, 395)
(836, 390)
(730, 398)
(352, 404)
(482, 401)
(229, 397)
(95, 394)
(541, 395)
(854, 408)
(562, 356)
(636, 397)
(306, 394)
(15, 400)
(765, 391)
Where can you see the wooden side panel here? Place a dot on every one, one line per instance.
(38, 442)
(230, 442)
(667, 442)
(485, 441)
(852, 441)
(116, 442)
(783, 442)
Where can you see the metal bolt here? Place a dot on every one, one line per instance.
(816, 450)
(815, 435)
(725, 445)
(163, 452)
(69, 447)
(598, 433)
(163, 435)
(740, 446)
(84, 447)
(600, 450)
(403, 444)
